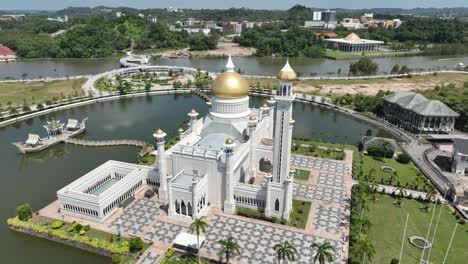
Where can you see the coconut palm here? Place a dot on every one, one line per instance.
(198, 226)
(324, 252)
(364, 248)
(401, 192)
(285, 251)
(229, 247)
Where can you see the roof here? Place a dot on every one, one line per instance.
(461, 145)
(4, 50)
(188, 240)
(33, 139)
(72, 123)
(420, 104)
(352, 37)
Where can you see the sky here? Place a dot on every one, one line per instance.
(222, 4)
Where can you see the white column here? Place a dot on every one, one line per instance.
(170, 200)
(160, 141)
(229, 202)
(288, 195)
(181, 133)
(194, 198)
(268, 178)
(252, 138)
(193, 120)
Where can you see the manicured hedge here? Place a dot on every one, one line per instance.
(403, 158)
(380, 152)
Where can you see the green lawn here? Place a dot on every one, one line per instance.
(302, 175)
(315, 150)
(147, 160)
(17, 93)
(388, 224)
(409, 175)
(334, 54)
(300, 214)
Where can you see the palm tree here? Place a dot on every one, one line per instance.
(198, 226)
(285, 251)
(364, 248)
(229, 247)
(324, 252)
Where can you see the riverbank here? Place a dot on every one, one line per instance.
(338, 55)
(223, 49)
(371, 86)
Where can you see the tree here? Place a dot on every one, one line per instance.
(395, 69)
(365, 66)
(23, 75)
(24, 212)
(364, 248)
(324, 252)
(285, 251)
(135, 244)
(198, 226)
(403, 158)
(148, 85)
(229, 247)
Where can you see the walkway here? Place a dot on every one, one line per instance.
(104, 143)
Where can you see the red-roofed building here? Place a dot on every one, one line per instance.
(6, 54)
(327, 35)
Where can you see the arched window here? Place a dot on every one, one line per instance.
(177, 207)
(183, 208)
(189, 208)
(277, 205)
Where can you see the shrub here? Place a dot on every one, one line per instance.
(170, 253)
(301, 210)
(394, 261)
(82, 232)
(87, 228)
(77, 227)
(283, 221)
(116, 258)
(380, 152)
(403, 158)
(274, 220)
(56, 224)
(24, 212)
(136, 244)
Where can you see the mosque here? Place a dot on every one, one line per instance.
(235, 156)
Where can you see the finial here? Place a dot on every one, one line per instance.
(230, 65)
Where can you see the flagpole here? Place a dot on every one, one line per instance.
(451, 239)
(428, 232)
(404, 238)
(435, 229)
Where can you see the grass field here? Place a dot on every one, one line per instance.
(300, 214)
(316, 150)
(333, 54)
(302, 175)
(38, 92)
(388, 224)
(409, 175)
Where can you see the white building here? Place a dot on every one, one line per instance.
(98, 194)
(235, 156)
(353, 43)
(460, 157)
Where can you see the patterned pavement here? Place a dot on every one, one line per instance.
(136, 217)
(256, 240)
(329, 219)
(150, 258)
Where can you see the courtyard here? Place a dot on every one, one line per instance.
(328, 220)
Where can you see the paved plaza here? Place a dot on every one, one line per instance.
(256, 238)
(136, 217)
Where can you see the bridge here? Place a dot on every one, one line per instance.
(147, 147)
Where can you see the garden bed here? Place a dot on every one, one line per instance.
(300, 214)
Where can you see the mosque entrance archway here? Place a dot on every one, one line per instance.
(266, 165)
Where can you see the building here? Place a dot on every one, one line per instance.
(353, 43)
(235, 156)
(329, 16)
(325, 19)
(98, 194)
(414, 112)
(327, 35)
(232, 27)
(12, 17)
(460, 157)
(6, 54)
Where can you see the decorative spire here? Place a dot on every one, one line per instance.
(230, 65)
(287, 74)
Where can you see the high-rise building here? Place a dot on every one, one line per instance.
(329, 16)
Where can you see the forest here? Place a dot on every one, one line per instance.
(93, 37)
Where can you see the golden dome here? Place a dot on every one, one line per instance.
(230, 84)
(252, 118)
(264, 106)
(229, 141)
(287, 74)
(159, 132)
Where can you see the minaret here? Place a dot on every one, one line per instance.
(160, 136)
(229, 202)
(252, 126)
(283, 123)
(193, 120)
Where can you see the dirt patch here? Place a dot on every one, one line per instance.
(223, 49)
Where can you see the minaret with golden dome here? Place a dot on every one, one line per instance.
(230, 94)
(283, 123)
